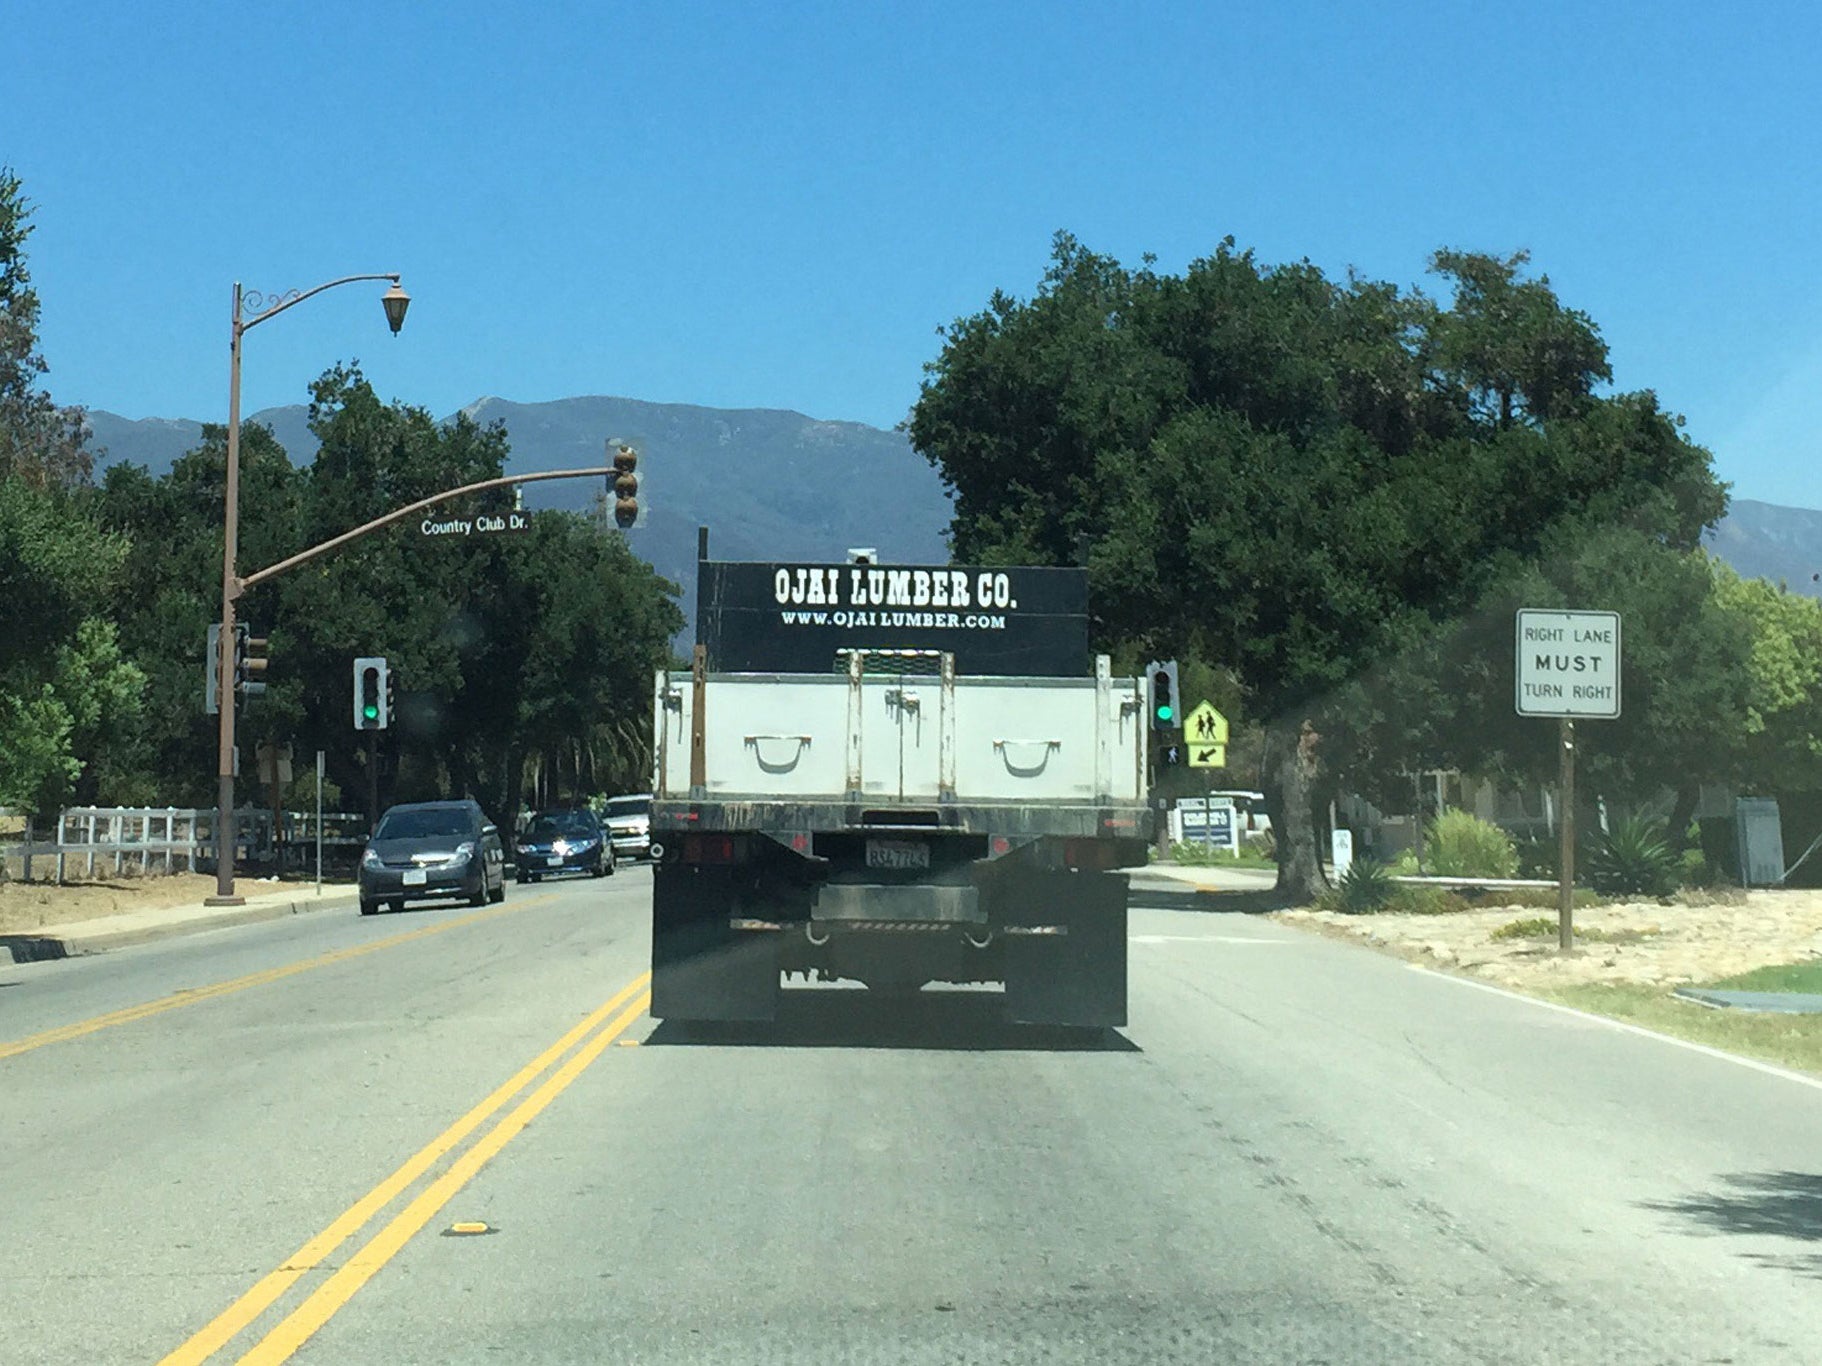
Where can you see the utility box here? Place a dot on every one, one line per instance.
(1759, 833)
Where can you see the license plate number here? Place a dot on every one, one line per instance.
(897, 854)
(555, 860)
(414, 877)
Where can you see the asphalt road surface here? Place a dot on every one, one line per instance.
(256, 1144)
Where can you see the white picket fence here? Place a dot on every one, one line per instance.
(150, 840)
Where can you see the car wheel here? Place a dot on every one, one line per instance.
(480, 892)
(499, 893)
(369, 907)
(522, 878)
(395, 906)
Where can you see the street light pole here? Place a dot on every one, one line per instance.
(395, 302)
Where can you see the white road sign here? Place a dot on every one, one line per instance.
(1568, 664)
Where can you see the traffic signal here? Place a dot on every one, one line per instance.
(623, 486)
(250, 661)
(1161, 683)
(371, 694)
(211, 672)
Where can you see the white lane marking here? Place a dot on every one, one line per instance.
(1770, 1069)
(1201, 939)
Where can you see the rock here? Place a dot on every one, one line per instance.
(1442, 953)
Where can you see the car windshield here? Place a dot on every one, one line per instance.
(423, 824)
(629, 806)
(564, 824)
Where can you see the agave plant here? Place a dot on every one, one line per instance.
(1634, 858)
(1364, 888)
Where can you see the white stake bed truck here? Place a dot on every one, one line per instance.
(895, 775)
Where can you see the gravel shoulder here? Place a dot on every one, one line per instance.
(1693, 938)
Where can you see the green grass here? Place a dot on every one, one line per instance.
(1545, 927)
(1783, 977)
(1789, 1040)
(1540, 898)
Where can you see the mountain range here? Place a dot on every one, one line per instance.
(776, 485)
(769, 484)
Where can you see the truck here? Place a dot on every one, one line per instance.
(894, 775)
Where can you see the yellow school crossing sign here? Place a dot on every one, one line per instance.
(1205, 733)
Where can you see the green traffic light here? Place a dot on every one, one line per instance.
(1165, 711)
(371, 712)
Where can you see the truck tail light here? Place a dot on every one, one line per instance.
(708, 848)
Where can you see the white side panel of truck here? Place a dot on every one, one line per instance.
(821, 737)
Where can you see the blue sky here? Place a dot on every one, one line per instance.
(776, 206)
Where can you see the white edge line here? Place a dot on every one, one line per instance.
(1770, 1069)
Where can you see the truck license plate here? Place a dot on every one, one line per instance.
(898, 854)
(414, 877)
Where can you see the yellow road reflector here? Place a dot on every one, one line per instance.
(629, 1043)
(468, 1226)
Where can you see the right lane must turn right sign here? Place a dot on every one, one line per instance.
(1568, 664)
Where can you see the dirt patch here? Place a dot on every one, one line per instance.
(27, 906)
(1637, 944)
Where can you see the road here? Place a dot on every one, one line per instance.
(258, 1140)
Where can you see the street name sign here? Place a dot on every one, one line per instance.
(1568, 664)
(482, 525)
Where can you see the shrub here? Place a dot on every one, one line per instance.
(1401, 900)
(1264, 843)
(1364, 888)
(1633, 859)
(1532, 927)
(1425, 901)
(1463, 845)
(1537, 857)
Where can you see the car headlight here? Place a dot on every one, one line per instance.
(369, 859)
(463, 852)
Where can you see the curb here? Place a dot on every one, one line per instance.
(43, 948)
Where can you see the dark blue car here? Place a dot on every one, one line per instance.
(564, 842)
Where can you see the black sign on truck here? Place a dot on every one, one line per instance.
(795, 618)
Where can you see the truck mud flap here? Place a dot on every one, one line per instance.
(1064, 938)
(702, 969)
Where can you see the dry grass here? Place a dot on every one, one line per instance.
(28, 906)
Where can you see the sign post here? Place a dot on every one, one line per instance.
(319, 822)
(1567, 666)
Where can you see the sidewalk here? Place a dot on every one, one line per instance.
(163, 922)
(1206, 879)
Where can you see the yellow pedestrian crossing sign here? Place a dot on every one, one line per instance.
(1205, 733)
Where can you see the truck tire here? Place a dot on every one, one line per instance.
(701, 969)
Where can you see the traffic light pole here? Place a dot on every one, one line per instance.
(233, 586)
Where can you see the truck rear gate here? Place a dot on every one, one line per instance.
(897, 822)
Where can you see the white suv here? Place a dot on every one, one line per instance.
(629, 825)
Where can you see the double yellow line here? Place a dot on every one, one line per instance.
(295, 1329)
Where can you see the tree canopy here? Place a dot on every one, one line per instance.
(1293, 477)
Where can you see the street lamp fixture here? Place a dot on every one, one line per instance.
(395, 301)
